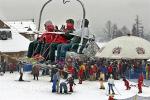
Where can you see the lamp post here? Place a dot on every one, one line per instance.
(39, 24)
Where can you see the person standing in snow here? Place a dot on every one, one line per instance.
(35, 71)
(56, 80)
(20, 71)
(140, 83)
(63, 85)
(111, 84)
(126, 82)
(101, 80)
(70, 81)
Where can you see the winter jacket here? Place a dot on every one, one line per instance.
(49, 37)
(70, 80)
(103, 69)
(59, 38)
(110, 69)
(71, 70)
(80, 73)
(111, 81)
(35, 70)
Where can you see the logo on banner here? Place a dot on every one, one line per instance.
(140, 50)
(116, 50)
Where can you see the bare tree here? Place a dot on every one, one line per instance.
(108, 29)
(114, 31)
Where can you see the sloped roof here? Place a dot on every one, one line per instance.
(16, 44)
(3, 25)
(23, 26)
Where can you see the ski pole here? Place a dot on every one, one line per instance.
(117, 90)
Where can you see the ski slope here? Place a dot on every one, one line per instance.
(41, 90)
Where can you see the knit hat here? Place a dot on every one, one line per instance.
(48, 22)
(70, 21)
(111, 76)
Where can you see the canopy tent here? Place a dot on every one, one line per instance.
(126, 47)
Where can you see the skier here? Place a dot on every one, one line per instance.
(55, 80)
(58, 81)
(101, 80)
(70, 81)
(21, 71)
(140, 83)
(63, 85)
(111, 84)
(126, 83)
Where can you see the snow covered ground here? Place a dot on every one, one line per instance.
(41, 90)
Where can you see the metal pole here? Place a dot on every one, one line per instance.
(39, 24)
(83, 20)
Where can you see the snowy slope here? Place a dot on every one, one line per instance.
(41, 90)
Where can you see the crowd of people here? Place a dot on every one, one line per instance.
(70, 68)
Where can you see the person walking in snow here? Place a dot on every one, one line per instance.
(111, 84)
(126, 82)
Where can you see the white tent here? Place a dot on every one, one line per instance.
(126, 47)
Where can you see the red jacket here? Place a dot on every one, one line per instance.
(49, 37)
(110, 69)
(110, 98)
(71, 70)
(126, 83)
(80, 72)
(60, 39)
(91, 71)
(94, 68)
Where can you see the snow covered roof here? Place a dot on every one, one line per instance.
(16, 44)
(22, 26)
(101, 44)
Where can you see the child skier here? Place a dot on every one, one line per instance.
(126, 82)
(111, 84)
(70, 81)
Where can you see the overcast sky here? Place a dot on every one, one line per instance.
(121, 12)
